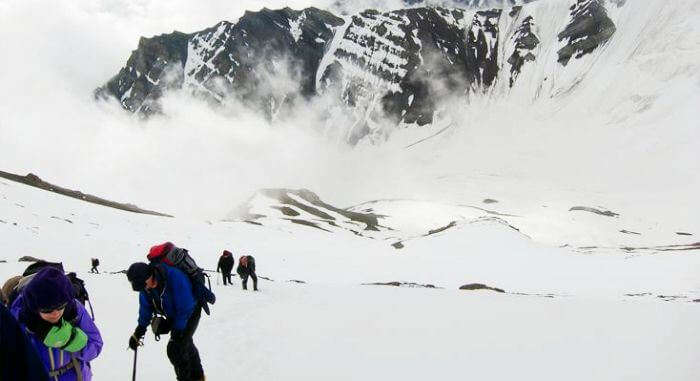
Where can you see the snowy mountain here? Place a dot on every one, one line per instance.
(271, 206)
(373, 65)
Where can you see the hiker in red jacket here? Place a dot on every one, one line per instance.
(246, 267)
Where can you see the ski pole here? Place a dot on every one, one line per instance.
(133, 375)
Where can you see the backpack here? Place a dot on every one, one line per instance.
(79, 291)
(180, 258)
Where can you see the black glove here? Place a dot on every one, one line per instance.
(135, 339)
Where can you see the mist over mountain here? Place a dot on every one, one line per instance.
(371, 69)
(532, 99)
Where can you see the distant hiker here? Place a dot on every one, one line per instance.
(226, 266)
(59, 328)
(18, 358)
(95, 263)
(246, 267)
(167, 303)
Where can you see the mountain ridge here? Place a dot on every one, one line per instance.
(373, 65)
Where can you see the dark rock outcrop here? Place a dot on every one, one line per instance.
(588, 28)
(149, 72)
(605, 213)
(312, 204)
(629, 232)
(442, 229)
(525, 43)
(246, 60)
(34, 180)
(479, 286)
(400, 284)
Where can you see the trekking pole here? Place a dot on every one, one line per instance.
(133, 375)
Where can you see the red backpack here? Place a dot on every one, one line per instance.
(179, 258)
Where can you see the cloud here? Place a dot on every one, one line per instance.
(198, 162)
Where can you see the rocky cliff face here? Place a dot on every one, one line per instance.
(375, 65)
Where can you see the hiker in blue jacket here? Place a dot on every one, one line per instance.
(167, 303)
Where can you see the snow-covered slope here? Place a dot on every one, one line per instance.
(332, 316)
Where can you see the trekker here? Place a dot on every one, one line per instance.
(59, 328)
(246, 267)
(226, 266)
(7, 288)
(95, 263)
(166, 302)
(18, 358)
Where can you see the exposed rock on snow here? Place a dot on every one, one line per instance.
(606, 213)
(692, 246)
(589, 28)
(442, 229)
(34, 180)
(62, 219)
(304, 207)
(629, 232)
(400, 284)
(479, 286)
(671, 298)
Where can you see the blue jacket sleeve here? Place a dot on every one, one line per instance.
(145, 310)
(183, 300)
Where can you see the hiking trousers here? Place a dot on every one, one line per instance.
(182, 352)
(227, 277)
(244, 277)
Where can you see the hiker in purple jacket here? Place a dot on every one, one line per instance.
(59, 327)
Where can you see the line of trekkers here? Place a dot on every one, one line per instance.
(47, 322)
